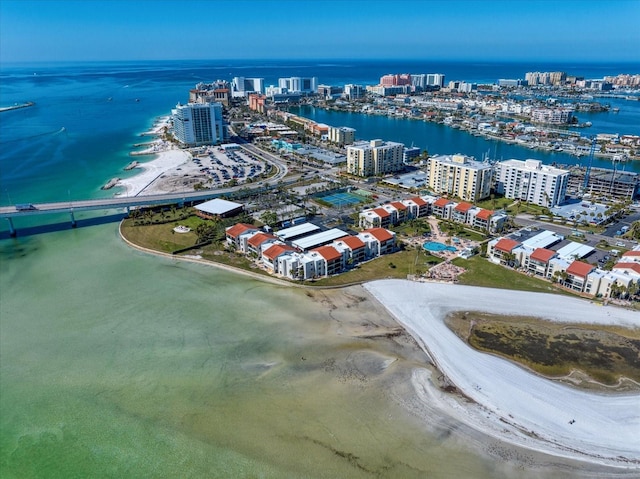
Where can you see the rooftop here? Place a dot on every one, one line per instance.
(542, 254)
(218, 206)
(329, 253)
(506, 244)
(579, 268)
(289, 233)
(239, 228)
(318, 239)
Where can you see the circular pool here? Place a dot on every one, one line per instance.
(436, 246)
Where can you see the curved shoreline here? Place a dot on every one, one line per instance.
(505, 401)
(479, 413)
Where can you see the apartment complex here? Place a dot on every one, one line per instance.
(460, 176)
(342, 135)
(298, 84)
(311, 254)
(375, 157)
(548, 255)
(396, 212)
(531, 181)
(196, 124)
(241, 86)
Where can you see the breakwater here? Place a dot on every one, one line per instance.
(17, 106)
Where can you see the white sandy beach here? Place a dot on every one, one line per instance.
(512, 404)
(166, 160)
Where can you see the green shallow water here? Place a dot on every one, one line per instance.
(117, 364)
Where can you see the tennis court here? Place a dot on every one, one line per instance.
(343, 199)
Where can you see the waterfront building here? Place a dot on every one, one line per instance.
(271, 255)
(216, 92)
(375, 157)
(418, 81)
(241, 86)
(557, 78)
(553, 116)
(389, 90)
(604, 182)
(410, 154)
(218, 208)
(196, 124)
(378, 241)
(234, 233)
(342, 135)
(460, 176)
(329, 92)
(396, 79)
(354, 92)
(435, 79)
(299, 84)
(532, 181)
(511, 83)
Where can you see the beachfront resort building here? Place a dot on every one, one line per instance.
(301, 252)
(548, 255)
(241, 86)
(460, 176)
(196, 124)
(298, 84)
(531, 181)
(375, 157)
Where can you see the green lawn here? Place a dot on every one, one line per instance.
(396, 265)
(481, 272)
(161, 237)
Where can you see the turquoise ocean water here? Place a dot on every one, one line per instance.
(114, 363)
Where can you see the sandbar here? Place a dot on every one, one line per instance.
(505, 400)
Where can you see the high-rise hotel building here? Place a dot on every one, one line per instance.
(531, 181)
(196, 124)
(460, 176)
(375, 157)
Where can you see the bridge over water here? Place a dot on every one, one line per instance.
(125, 202)
(128, 202)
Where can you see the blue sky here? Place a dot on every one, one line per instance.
(91, 30)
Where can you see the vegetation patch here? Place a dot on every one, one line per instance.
(585, 355)
(480, 272)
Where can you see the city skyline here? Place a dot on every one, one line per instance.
(40, 31)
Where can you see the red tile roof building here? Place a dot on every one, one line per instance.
(506, 245)
(332, 257)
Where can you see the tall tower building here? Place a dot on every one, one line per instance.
(196, 124)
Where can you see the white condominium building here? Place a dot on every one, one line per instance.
(435, 79)
(342, 135)
(241, 86)
(531, 181)
(460, 176)
(196, 124)
(299, 84)
(376, 157)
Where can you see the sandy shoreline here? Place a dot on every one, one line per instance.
(515, 408)
(165, 161)
(510, 404)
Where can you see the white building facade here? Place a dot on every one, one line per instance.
(460, 176)
(376, 157)
(531, 181)
(196, 124)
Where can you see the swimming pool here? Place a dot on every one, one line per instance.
(436, 246)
